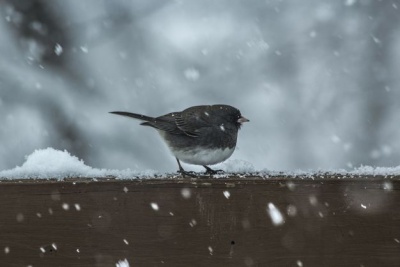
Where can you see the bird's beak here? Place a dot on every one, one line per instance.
(241, 120)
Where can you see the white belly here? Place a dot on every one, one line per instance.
(203, 156)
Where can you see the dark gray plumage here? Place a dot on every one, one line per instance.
(200, 135)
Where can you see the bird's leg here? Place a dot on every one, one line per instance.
(211, 171)
(183, 172)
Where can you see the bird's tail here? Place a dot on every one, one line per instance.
(134, 115)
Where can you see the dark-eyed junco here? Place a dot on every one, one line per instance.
(200, 135)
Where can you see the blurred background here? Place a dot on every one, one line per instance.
(318, 79)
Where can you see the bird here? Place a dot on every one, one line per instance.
(200, 135)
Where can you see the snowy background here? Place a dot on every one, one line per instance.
(318, 79)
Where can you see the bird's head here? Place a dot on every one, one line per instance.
(230, 115)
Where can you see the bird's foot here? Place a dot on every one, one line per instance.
(212, 172)
(188, 173)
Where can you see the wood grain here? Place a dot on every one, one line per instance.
(82, 222)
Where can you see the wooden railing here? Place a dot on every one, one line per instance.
(322, 220)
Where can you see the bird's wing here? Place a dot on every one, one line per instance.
(188, 123)
(163, 123)
(192, 121)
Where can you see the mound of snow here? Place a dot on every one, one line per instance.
(51, 163)
(235, 166)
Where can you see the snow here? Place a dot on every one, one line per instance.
(154, 206)
(58, 50)
(275, 215)
(236, 166)
(84, 49)
(210, 249)
(51, 163)
(186, 193)
(313, 200)
(387, 186)
(123, 263)
(193, 223)
(227, 194)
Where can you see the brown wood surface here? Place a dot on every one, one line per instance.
(338, 222)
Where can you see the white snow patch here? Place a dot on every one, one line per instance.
(51, 163)
(77, 207)
(299, 263)
(6, 250)
(376, 40)
(275, 214)
(193, 223)
(123, 263)
(65, 206)
(368, 170)
(154, 206)
(291, 186)
(236, 166)
(210, 249)
(313, 200)
(227, 194)
(387, 185)
(350, 2)
(126, 242)
(363, 206)
(222, 127)
(84, 49)
(58, 50)
(186, 193)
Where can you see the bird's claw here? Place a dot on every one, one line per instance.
(188, 173)
(210, 171)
